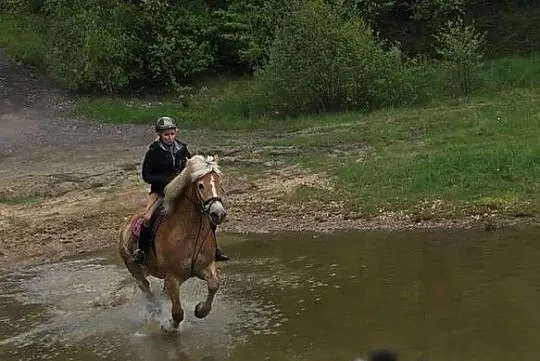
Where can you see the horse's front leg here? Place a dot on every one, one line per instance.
(209, 274)
(172, 287)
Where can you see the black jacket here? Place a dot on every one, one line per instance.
(160, 165)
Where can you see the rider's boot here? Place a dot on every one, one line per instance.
(220, 255)
(138, 255)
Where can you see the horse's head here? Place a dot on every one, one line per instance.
(200, 182)
(209, 193)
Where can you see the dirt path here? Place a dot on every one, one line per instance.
(67, 184)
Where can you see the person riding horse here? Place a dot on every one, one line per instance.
(165, 158)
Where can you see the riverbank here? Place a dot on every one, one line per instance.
(68, 182)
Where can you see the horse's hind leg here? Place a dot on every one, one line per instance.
(209, 274)
(126, 240)
(172, 287)
(140, 278)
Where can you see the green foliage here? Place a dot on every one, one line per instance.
(176, 41)
(21, 36)
(94, 44)
(20, 6)
(246, 30)
(438, 12)
(511, 27)
(321, 62)
(111, 46)
(148, 45)
(410, 23)
(435, 10)
(461, 47)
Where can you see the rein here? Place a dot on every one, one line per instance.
(204, 209)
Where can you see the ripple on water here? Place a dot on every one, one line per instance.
(63, 304)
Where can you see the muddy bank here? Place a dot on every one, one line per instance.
(80, 213)
(67, 184)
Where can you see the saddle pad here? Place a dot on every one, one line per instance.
(136, 224)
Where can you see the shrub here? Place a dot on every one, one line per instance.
(94, 44)
(461, 47)
(320, 62)
(112, 46)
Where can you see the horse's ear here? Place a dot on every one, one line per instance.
(216, 158)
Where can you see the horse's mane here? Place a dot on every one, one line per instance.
(196, 167)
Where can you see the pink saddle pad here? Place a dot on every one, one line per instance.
(136, 224)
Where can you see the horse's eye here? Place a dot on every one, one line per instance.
(201, 186)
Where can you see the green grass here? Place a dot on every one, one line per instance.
(225, 103)
(217, 104)
(485, 153)
(474, 153)
(21, 38)
(509, 72)
(467, 154)
(20, 200)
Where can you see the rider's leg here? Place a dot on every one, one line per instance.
(145, 235)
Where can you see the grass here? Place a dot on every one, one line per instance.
(219, 104)
(21, 39)
(468, 154)
(464, 154)
(20, 200)
(479, 155)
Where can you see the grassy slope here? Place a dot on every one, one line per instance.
(445, 158)
(479, 155)
(458, 155)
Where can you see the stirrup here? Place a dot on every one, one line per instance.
(137, 256)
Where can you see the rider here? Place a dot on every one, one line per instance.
(165, 158)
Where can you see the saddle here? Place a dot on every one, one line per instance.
(155, 221)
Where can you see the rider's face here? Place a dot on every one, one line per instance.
(167, 136)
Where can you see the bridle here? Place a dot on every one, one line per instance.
(204, 207)
(207, 204)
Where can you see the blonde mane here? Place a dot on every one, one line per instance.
(196, 167)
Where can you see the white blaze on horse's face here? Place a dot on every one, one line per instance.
(213, 184)
(209, 189)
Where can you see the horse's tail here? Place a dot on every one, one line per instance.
(124, 238)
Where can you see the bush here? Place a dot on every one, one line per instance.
(94, 44)
(21, 37)
(177, 42)
(20, 6)
(113, 46)
(321, 62)
(245, 31)
(461, 47)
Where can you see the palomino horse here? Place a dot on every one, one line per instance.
(184, 243)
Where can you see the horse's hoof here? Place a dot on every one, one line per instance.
(154, 313)
(169, 327)
(199, 313)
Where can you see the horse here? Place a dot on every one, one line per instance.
(184, 243)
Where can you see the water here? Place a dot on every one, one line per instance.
(444, 296)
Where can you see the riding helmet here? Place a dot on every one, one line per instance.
(165, 123)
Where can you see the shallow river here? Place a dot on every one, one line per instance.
(442, 296)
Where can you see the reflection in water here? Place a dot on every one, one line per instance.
(447, 296)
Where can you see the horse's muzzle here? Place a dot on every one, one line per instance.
(217, 212)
